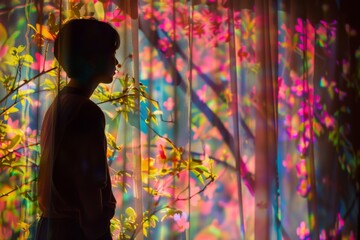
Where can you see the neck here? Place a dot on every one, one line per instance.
(88, 89)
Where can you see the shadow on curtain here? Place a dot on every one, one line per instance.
(226, 119)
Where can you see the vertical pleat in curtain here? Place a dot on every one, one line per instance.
(266, 177)
(244, 128)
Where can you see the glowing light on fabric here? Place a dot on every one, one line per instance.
(224, 117)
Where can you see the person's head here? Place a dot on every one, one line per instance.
(85, 49)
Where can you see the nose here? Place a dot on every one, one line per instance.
(116, 62)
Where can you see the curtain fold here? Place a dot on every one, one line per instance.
(266, 178)
(226, 119)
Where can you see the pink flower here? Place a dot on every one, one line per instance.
(287, 162)
(302, 231)
(298, 87)
(287, 120)
(169, 104)
(116, 17)
(301, 168)
(13, 124)
(328, 120)
(223, 37)
(164, 44)
(304, 111)
(40, 64)
(181, 222)
(303, 145)
(292, 133)
(326, 33)
(282, 88)
(303, 187)
(291, 126)
(307, 33)
(3, 50)
(168, 26)
(198, 131)
(166, 47)
(162, 153)
(340, 222)
(202, 93)
(215, 21)
(322, 235)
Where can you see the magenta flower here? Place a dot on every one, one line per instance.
(40, 64)
(291, 129)
(326, 33)
(303, 187)
(165, 46)
(3, 50)
(301, 168)
(202, 93)
(340, 222)
(287, 162)
(307, 35)
(303, 111)
(215, 21)
(115, 17)
(298, 87)
(282, 88)
(302, 231)
(181, 222)
(169, 104)
(303, 145)
(328, 120)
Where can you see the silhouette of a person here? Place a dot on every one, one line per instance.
(74, 187)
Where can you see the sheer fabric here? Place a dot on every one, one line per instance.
(225, 120)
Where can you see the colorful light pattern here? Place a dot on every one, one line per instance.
(183, 142)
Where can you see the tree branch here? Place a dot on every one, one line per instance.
(26, 81)
(17, 187)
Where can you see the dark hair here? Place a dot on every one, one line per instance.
(81, 40)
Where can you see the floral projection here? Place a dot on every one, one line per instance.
(226, 119)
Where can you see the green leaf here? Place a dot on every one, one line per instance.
(13, 109)
(156, 104)
(28, 58)
(20, 49)
(130, 212)
(26, 91)
(48, 84)
(99, 10)
(151, 191)
(14, 141)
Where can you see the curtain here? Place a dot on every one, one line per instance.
(226, 119)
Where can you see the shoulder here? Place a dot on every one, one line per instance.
(91, 112)
(81, 111)
(89, 106)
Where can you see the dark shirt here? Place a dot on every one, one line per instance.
(74, 180)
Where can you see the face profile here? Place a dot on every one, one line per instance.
(109, 63)
(85, 48)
